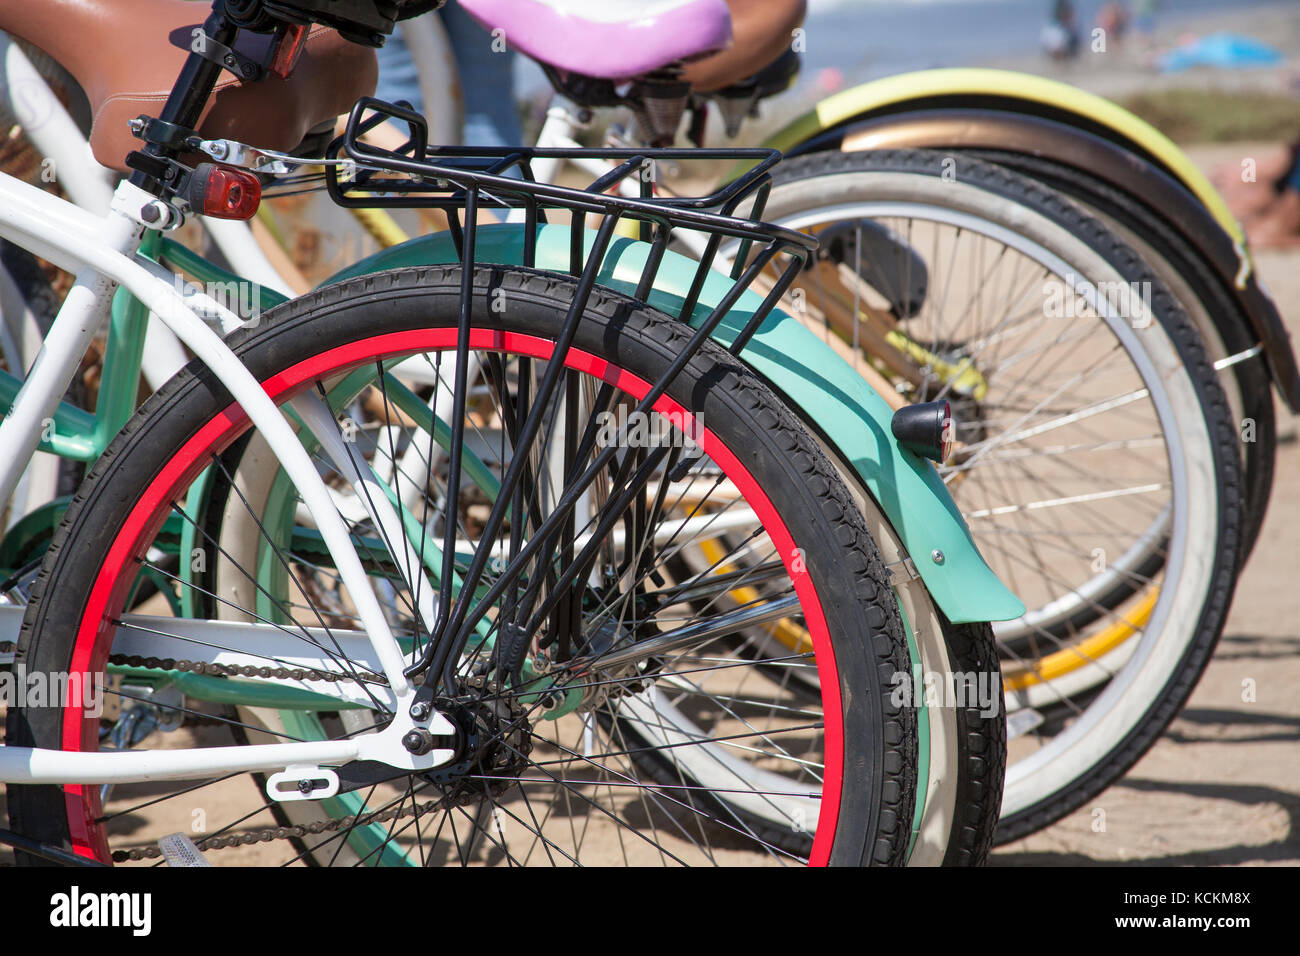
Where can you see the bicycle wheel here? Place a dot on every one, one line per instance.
(759, 775)
(963, 737)
(963, 747)
(1096, 457)
(1223, 329)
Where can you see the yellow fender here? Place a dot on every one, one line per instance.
(1007, 85)
(1099, 124)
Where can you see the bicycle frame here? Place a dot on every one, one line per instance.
(103, 253)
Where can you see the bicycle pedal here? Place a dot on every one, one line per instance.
(179, 850)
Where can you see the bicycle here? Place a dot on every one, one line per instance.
(1107, 599)
(62, 234)
(1065, 658)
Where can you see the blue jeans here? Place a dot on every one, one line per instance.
(1292, 179)
(487, 79)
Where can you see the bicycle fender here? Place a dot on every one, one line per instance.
(981, 88)
(977, 108)
(852, 417)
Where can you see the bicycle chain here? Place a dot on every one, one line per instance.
(239, 670)
(268, 834)
(227, 670)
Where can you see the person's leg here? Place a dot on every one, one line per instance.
(1278, 225)
(398, 77)
(487, 80)
(1249, 196)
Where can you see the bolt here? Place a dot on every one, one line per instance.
(151, 212)
(418, 742)
(420, 709)
(936, 556)
(305, 787)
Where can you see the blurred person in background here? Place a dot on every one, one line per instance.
(1268, 202)
(1112, 20)
(487, 78)
(1060, 37)
(1144, 21)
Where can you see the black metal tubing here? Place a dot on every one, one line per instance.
(465, 621)
(431, 178)
(53, 854)
(184, 106)
(528, 433)
(471, 178)
(458, 398)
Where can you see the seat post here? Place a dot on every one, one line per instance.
(197, 79)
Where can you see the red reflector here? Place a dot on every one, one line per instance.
(288, 48)
(230, 193)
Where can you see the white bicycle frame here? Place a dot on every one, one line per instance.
(101, 251)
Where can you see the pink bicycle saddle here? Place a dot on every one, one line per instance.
(609, 39)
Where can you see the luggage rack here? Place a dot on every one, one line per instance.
(461, 181)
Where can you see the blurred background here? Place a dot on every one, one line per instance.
(1200, 70)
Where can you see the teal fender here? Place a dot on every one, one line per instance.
(849, 414)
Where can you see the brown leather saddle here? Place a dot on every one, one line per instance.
(123, 55)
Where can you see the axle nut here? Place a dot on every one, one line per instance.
(418, 742)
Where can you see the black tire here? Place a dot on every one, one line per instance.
(842, 560)
(981, 748)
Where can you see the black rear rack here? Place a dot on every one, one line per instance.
(458, 178)
(463, 180)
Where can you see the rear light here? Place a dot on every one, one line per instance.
(925, 428)
(223, 192)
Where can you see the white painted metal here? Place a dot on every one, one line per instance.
(89, 185)
(102, 252)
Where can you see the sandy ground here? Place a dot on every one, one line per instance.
(1117, 69)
